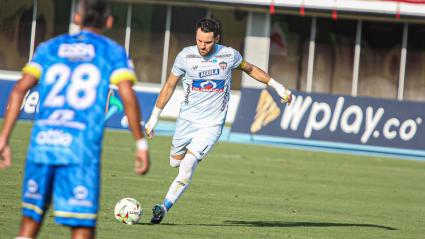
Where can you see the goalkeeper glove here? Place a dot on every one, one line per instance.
(285, 94)
(153, 120)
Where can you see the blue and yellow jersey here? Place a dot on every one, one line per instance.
(74, 73)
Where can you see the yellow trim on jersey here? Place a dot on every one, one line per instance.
(242, 65)
(122, 74)
(33, 69)
(32, 207)
(75, 215)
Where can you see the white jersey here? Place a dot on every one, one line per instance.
(206, 83)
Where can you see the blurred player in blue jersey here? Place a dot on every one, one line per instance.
(206, 69)
(73, 74)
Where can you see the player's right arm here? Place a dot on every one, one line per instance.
(31, 73)
(15, 101)
(166, 92)
(163, 98)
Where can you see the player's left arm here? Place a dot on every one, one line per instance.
(15, 101)
(261, 76)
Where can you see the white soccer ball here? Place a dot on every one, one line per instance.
(128, 211)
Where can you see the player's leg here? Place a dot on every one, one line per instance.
(200, 145)
(178, 186)
(29, 228)
(76, 198)
(82, 232)
(181, 138)
(175, 160)
(36, 197)
(183, 179)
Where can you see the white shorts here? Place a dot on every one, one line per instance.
(196, 138)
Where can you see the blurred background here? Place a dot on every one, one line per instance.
(355, 48)
(155, 31)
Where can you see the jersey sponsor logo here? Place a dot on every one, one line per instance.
(193, 56)
(63, 118)
(32, 186)
(80, 197)
(62, 123)
(224, 56)
(214, 60)
(212, 72)
(81, 192)
(54, 138)
(208, 85)
(76, 51)
(32, 190)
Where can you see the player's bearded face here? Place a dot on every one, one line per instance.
(205, 42)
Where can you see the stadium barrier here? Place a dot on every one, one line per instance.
(313, 121)
(330, 122)
(116, 120)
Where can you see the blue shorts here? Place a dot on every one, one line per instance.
(75, 189)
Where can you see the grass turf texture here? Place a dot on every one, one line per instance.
(246, 191)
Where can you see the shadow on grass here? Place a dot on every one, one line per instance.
(303, 224)
(280, 224)
(164, 224)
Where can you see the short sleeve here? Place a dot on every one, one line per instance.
(237, 59)
(35, 66)
(122, 67)
(178, 67)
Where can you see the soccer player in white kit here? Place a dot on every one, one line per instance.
(206, 69)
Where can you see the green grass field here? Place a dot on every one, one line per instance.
(246, 191)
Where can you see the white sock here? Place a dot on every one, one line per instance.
(182, 181)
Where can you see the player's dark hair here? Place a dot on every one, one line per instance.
(95, 13)
(209, 25)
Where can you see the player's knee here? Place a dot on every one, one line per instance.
(174, 162)
(187, 168)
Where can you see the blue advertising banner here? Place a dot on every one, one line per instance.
(115, 119)
(362, 123)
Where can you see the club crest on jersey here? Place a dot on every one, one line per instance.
(212, 72)
(208, 85)
(223, 65)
